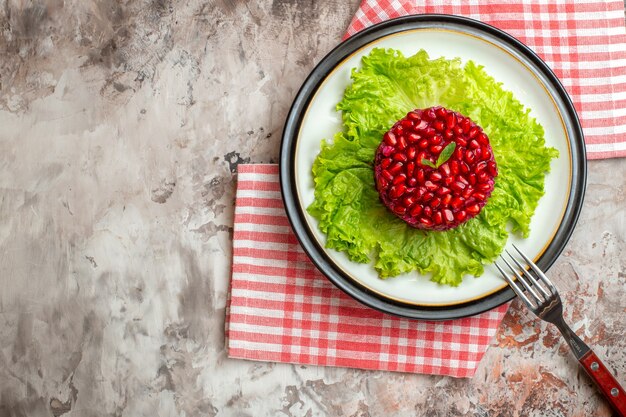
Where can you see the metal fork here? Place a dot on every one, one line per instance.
(542, 298)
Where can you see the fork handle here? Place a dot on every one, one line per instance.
(606, 382)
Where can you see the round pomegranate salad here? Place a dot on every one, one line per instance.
(435, 169)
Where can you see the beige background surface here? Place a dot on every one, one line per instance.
(122, 123)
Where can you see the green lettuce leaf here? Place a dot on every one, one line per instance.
(347, 206)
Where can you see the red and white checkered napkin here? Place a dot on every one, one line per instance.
(583, 41)
(282, 309)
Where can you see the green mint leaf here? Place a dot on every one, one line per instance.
(426, 162)
(445, 154)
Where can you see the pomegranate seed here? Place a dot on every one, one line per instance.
(387, 150)
(435, 176)
(400, 178)
(434, 203)
(491, 168)
(471, 178)
(397, 190)
(438, 125)
(429, 115)
(480, 167)
(469, 156)
(474, 144)
(444, 168)
(446, 199)
(399, 209)
(385, 163)
(479, 196)
(483, 139)
(466, 124)
(448, 180)
(458, 131)
(456, 202)
(451, 121)
(457, 186)
(460, 141)
(482, 177)
(400, 157)
(420, 192)
(473, 132)
(410, 168)
(459, 151)
(387, 175)
(402, 143)
(473, 209)
(413, 115)
(407, 124)
(427, 211)
(390, 139)
(460, 215)
(467, 192)
(396, 168)
(416, 210)
(448, 216)
(410, 153)
(398, 130)
(436, 149)
(448, 134)
(486, 153)
(454, 167)
(408, 201)
(427, 197)
(425, 221)
(421, 125)
(443, 191)
(421, 176)
(441, 112)
(483, 186)
(462, 179)
(413, 137)
(382, 183)
(436, 140)
(437, 217)
(430, 186)
(464, 167)
(422, 144)
(429, 132)
(411, 182)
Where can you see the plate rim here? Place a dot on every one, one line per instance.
(295, 212)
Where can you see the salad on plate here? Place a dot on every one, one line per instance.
(435, 165)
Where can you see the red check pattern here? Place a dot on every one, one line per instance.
(583, 41)
(283, 310)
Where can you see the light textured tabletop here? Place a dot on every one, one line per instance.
(121, 127)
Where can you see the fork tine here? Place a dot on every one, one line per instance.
(515, 287)
(522, 280)
(530, 276)
(537, 271)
